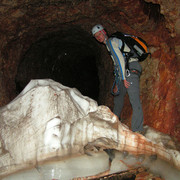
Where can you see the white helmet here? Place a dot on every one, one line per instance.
(97, 28)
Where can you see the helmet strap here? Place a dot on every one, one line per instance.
(105, 34)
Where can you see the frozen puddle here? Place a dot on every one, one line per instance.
(80, 166)
(97, 163)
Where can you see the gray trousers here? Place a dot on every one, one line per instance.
(134, 97)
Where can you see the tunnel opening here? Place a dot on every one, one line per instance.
(68, 57)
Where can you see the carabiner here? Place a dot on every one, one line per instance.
(127, 73)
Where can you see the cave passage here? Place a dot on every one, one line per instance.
(69, 57)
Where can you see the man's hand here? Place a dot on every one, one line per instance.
(126, 83)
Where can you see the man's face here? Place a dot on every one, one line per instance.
(100, 37)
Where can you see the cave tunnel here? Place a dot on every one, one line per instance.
(69, 57)
(52, 39)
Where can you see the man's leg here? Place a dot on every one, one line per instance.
(134, 97)
(119, 100)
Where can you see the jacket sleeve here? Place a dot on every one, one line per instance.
(114, 46)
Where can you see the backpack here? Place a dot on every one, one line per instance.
(138, 47)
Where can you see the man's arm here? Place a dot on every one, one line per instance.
(118, 58)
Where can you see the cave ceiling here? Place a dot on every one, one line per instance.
(52, 39)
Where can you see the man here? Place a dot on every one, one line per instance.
(126, 80)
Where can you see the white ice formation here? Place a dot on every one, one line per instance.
(50, 131)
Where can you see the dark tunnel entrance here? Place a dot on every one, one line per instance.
(69, 57)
